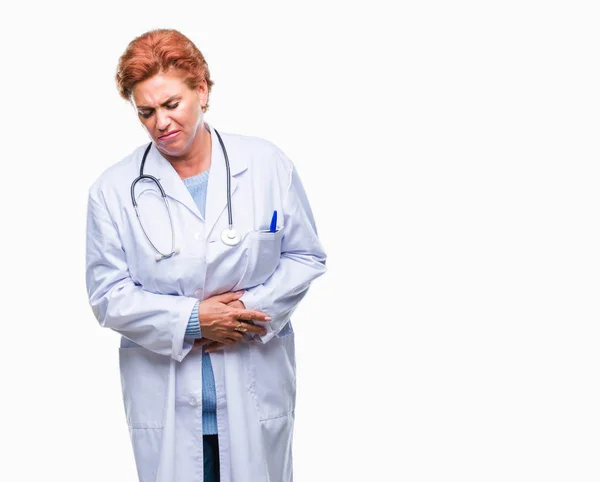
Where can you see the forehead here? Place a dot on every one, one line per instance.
(156, 90)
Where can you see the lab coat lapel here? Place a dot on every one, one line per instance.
(216, 195)
(159, 167)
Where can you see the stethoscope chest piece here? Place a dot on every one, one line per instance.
(230, 237)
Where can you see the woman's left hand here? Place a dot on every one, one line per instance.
(215, 345)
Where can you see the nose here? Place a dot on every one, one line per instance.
(162, 120)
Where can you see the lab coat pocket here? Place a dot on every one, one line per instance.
(264, 253)
(146, 450)
(277, 435)
(144, 380)
(273, 376)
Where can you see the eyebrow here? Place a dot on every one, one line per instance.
(168, 101)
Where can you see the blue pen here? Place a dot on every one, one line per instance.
(273, 222)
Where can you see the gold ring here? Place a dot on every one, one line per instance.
(241, 328)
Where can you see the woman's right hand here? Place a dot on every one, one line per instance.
(218, 320)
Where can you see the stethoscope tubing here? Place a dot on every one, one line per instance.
(229, 214)
(174, 250)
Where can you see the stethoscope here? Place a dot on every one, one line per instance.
(229, 236)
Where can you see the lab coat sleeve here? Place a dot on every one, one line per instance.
(154, 321)
(302, 260)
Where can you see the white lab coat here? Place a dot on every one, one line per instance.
(149, 303)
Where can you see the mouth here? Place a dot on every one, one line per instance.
(168, 136)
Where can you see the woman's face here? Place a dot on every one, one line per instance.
(170, 111)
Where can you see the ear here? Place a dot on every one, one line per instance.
(202, 92)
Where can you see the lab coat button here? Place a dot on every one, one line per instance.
(198, 237)
(193, 401)
(198, 293)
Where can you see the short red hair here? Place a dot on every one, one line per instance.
(159, 51)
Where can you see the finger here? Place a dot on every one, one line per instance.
(230, 296)
(252, 315)
(214, 346)
(259, 330)
(236, 335)
(201, 341)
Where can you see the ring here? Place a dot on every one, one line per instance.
(241, 328)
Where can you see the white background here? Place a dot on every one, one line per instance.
(450, 154)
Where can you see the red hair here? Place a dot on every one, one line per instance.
(159, 51)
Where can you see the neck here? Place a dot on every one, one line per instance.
(198, 158)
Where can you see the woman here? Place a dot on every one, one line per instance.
(207, 348)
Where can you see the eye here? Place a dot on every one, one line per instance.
(145, 115)
(173, 106)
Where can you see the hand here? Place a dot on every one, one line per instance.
(215, 345)
(209, 345)
(220, 314)
(237, 304)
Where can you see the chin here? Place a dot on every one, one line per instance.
(172, 144)
(172, 151)
(174, 148)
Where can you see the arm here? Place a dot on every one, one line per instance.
(154, 321)
(302, 260)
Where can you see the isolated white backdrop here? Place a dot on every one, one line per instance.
(450, 154)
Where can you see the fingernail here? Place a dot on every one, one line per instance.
(268, 318)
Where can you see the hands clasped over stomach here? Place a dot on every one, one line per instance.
(224, 320)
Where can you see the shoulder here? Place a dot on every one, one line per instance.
(259, 152)
(119, 174)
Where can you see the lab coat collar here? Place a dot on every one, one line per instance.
(216, 196)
